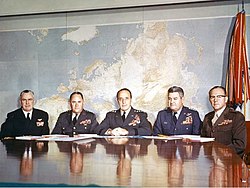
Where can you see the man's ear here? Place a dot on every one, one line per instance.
(183, 100)
(226, 99)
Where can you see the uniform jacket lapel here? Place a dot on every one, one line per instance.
(34, 115)
(169, 117)
(210, 117)
(183, 115)
(222, 117)
(69, 117)
(81, 117)
(21, 114)
(130, 117)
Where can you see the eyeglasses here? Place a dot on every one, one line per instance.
(217, 96)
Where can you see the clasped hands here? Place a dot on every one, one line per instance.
(119, 132)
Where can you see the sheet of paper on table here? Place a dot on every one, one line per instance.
(55, 137)
(192, 138)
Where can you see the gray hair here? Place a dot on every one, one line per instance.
(27, 91)
(176, 89)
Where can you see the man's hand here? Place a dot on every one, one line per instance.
(119, 132)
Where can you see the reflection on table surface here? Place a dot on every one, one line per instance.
(121, 162)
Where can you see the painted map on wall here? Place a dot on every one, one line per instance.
(147, 58)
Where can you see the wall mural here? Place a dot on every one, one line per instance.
(98, 60)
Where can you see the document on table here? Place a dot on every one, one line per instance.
(63, 137)
(56, 137)
(175, 137)
(192, 138)
(110, 136)
(197, 138)
(27, 137)
(202, 139)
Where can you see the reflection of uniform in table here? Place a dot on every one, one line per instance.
(125, 150)
(76, 152)
(25, 151)
(176, 152)
(128, 162)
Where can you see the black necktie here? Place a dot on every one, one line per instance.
(74, 120)
(123, 116)
(174, 117)
(28, 116)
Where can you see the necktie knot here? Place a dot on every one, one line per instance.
(123, 116)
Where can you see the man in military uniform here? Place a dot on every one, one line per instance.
(177, 119)
(224, 124)
(27, 120)
(126, 121)
(77, 120)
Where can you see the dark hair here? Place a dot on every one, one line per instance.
(76, 93)
(176, 89)
(124, 89)
(217, 87)
(27, 91)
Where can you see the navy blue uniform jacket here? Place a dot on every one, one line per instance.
(188, 123)
(86, 123)
(16, 124)
(136, 123)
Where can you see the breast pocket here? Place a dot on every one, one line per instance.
(224, 128)
(166, 127)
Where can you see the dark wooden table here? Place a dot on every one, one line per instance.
(120, 162)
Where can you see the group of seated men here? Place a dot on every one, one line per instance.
(224, 124)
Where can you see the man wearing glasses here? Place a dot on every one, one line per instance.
(224, 124)
(25, 121)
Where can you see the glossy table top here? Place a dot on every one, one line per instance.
(121, 162)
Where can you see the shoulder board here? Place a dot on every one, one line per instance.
(193, 109)
(231, 110)
(113, 111)
(66, 112)
(138, 111)
(189, 108)
(89, 112)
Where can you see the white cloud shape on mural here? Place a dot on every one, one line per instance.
(81, 35)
